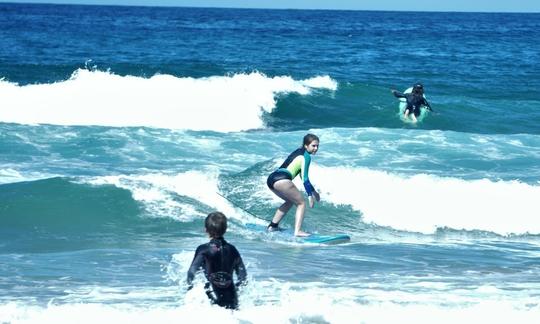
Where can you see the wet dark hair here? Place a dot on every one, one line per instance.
(309, 138)
(216, 224)
(418, 88)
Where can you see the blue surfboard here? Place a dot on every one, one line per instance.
(288, 235)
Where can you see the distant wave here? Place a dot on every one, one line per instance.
(218, 103)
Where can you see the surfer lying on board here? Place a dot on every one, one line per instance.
(415, 100)
(280, 182)
(219, 259)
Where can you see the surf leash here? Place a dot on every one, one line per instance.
(239, 207)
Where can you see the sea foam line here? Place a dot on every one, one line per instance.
(306, 306)
(423, 203)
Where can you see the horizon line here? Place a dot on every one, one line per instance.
(250, 8)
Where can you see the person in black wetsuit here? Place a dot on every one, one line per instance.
(219, 260)
(415, 100)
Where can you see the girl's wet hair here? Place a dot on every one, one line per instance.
(216, 224)
(310, 138)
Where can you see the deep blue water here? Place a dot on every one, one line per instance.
(480, 70)
(122, 127)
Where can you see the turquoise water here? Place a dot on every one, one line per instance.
(122, 127)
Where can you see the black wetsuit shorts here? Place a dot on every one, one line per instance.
(276, 176)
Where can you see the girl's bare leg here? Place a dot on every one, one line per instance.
(286, 190)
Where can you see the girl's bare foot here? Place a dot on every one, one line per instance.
(301, 234)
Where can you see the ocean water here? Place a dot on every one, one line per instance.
(121, 128)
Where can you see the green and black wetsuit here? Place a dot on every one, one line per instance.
(297, 163)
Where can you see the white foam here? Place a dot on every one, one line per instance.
(288, 304)
(158, 192)
(177, 269)
(11, 175)
(423, 203)
(219, 103)
(321, 82)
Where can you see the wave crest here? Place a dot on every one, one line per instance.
(218, 103)
(424, 203)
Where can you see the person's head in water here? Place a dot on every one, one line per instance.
(311, 143)
(215, 224)
(418, 88)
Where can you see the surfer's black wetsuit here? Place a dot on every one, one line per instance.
(219, 259)
(414, 101)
